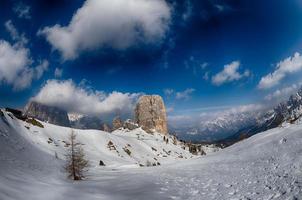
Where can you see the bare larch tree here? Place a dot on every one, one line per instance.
(76, 162)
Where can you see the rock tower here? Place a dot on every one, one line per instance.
(150, 114)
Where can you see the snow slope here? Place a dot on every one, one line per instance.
(265, 166)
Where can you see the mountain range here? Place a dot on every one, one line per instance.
(231, 127)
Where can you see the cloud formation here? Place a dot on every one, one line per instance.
(22, 10)
(283, 94)
(14, 66)
(117, 24)
(16, 63)
(168, 92)
(285, 67)
(185, 95)
(82, 100)
(58, 72)
(229, 73)
(20, 39)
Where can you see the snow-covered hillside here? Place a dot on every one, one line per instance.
(265, 166)
(119, 148)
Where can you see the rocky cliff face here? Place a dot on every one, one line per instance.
(150, 114)
(45, 113)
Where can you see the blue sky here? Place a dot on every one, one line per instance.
(201, 56)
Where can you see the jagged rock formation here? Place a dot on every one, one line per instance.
(150, 114)
(130, 125)
(46, 113)
(117, 123)
(105, 127)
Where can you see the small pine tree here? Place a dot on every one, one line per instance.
(76, 162)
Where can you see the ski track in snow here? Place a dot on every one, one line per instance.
(265, 166)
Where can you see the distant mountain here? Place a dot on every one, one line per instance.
(46, 113)
(218, 128)
(85, 122)
(233, 127)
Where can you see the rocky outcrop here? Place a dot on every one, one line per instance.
(150, 114)
(105, 127)
(130, 125)
(117, 123)
(46, 113)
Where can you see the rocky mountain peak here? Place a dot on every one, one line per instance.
(150, 114)
(46, 113)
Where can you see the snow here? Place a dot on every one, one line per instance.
(265, 166)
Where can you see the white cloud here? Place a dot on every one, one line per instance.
(41, 68)
(58, 72)
(283, 94)
(16, 63)
(14, 66)
(79, 99)
(204, 65)
(285, 67)
(186, 94)
(20, 39)
(229, 73)
(168, 91)
(188, 11)
(118, 24)
(22, 10)
(206, 76)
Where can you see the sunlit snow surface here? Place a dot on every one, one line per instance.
(265, 166)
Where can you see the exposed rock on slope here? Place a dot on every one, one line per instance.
(117, 123)
(49, 114)
(150, 114)
(105, 127)
(130, 125)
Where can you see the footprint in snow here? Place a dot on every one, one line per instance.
(227, 185)
(282, 141)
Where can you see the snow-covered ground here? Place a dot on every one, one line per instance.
(265, 166)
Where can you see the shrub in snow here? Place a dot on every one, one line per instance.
(76, 162)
